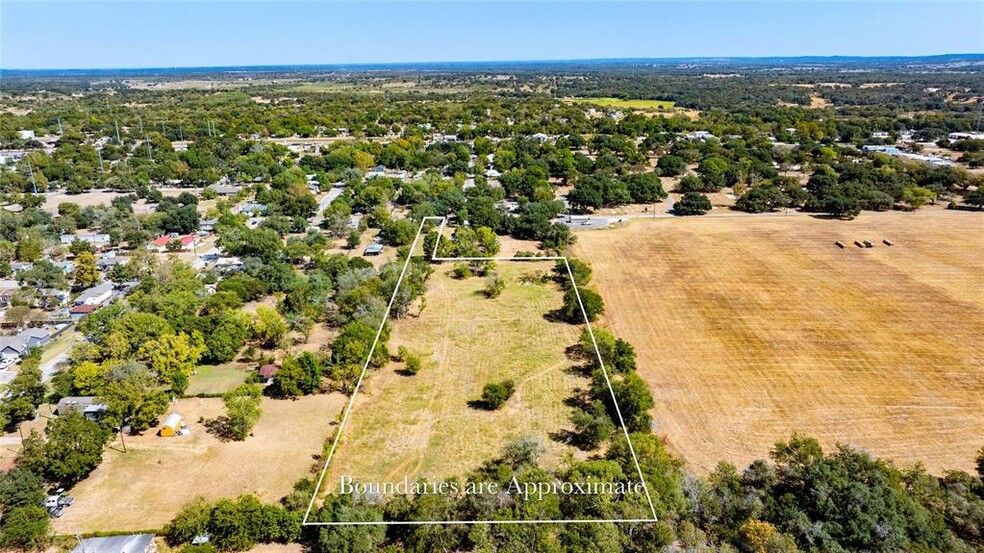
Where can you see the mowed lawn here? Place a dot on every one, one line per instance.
(422, 425)
(751, 328)
(146, 486)
(215, 379)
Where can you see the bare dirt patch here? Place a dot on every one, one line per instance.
(751, 328)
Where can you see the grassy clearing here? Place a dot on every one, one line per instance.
(145, 487)
(751, 328)
(215, 379)
(422, 425)
(646, 105)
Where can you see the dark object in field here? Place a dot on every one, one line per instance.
(887, 242)
(868, 244)
(839, 244)
(858, 244)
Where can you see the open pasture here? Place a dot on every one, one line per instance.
(427, 425)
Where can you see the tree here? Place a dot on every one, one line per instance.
(917, 196)
(671, 165)
(72, 449)
(269, 328)
(25, 528)
(172, 357)
(20, 487)
(353, 239)
(592, 426)
(242, 409)
(632, 396)
(228, 336)
(645, 188)
(86, 273)
(30, 248)
(692, 203)
(495, 394)
(571, 310)
(134, 399)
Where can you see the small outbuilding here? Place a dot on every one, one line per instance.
(174, 425)
(267, 372)
(373, 249)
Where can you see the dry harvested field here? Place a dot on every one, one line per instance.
(751, 328)
(422, 425)
(145, 487)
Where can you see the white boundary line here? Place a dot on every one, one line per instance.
(365, 367)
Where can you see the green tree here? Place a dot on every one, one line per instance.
(571, 310)
(134, 399)
(692, 203)
(25, 528)
(242, 409)
(71, 449)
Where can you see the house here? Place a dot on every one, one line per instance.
(35, 337)
(965, 136)
(173, 425)
(98, 240)
(12, 347)
(207, 225)
(224, 189)
(267, 372)
(97, 295)
(80, 404)
(373, 249)
(79, 311)
(377, 171)
(11, 156)
(250, 208)
(492, 174)
(699, 135)
(188, 241)
(132, 543)
(26, 135)
(540, 137)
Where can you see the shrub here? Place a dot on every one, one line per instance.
(494, 286)
(495, 394)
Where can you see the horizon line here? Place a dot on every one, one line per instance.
(436, 63)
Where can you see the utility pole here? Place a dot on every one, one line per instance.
(117, 125)
(140, 124)
(181, 133)
(59, 126)
(99, 153)
(147, 142)
(33, 181)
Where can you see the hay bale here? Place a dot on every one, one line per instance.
(887, 242)
(839, 244)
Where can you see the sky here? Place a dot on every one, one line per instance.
(137, 33)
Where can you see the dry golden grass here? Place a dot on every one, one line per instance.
(145, 487)
(751, 328)
(422, 425)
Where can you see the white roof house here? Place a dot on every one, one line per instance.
(97, 295)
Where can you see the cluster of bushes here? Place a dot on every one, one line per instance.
(233, 525)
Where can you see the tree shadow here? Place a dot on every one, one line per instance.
(480, 405)
(220, 428)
